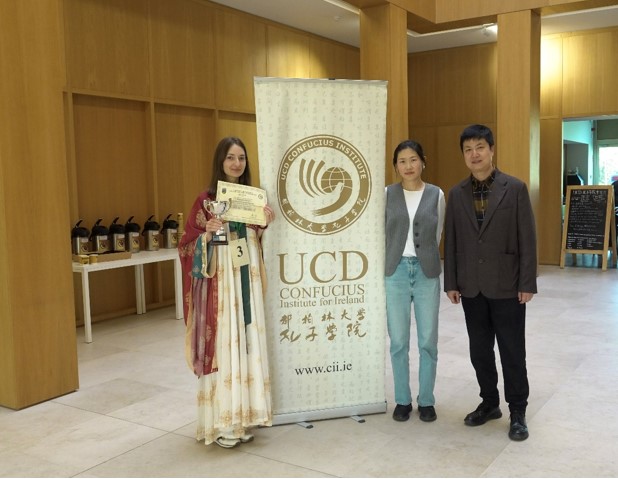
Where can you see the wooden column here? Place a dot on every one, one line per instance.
(518, 97)
(384, 56)
(38, 351)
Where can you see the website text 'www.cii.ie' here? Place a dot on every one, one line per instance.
(336, 367)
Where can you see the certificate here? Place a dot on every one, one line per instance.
(247, 203)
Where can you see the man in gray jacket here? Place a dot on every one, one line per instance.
(490, 266)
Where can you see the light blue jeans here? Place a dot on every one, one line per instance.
(409, 285)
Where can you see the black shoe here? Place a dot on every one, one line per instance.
(482, 414)
(427, 413)
(402, 413)
(519, 429)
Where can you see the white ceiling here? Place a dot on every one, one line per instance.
(339, 21)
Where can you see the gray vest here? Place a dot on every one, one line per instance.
(424, 229)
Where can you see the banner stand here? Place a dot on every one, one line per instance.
(321, 414)
(321, 150)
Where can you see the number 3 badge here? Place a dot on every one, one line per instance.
(240, 253)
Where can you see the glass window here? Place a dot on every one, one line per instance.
(608, 164)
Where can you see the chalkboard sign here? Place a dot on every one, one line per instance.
(588, 217)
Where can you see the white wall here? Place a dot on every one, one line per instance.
(578, 138)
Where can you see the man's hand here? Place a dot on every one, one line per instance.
(454, 296)
(524, 297)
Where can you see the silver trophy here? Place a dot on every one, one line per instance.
(218, 209)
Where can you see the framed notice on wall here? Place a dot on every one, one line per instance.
(589, 222)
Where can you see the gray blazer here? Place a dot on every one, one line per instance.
(499, 258)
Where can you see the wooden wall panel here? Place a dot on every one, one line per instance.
(112, 154)
(549, 213)
(551, 77)
(422, 96)
(107, 45)
(466, 82)
(518, 102)
(38, 355)
(352, 61)
(454, 10)
(330, 60)
(590, 73)
(240, 55)
(289, 53)
(183, 67)
(185, 146)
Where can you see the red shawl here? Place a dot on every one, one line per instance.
(199, 294)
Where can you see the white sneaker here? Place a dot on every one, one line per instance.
(227, 443)
(246, 438)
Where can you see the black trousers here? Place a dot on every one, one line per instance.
(502, 320)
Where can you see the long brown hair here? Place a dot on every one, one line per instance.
(217, 163)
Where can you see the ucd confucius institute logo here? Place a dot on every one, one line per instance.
(323, 184)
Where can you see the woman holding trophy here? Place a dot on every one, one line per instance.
(224, 308)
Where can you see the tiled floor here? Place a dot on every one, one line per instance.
(134, 413)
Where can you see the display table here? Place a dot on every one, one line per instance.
(138, 260)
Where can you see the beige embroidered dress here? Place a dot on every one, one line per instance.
(228, 356)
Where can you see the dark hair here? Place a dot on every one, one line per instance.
(413, 145)
(217, 163)
(476, 132)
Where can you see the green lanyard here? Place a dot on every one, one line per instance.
(241, 228)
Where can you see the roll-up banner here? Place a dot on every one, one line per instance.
(321, 148)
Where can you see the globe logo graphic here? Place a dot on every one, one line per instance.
(333, 176)
(324, 184)
(335, 179)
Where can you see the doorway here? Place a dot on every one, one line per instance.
(590, 157)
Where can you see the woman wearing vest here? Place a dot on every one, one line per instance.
(414, 220)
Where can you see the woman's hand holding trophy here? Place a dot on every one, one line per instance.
(217, 209)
